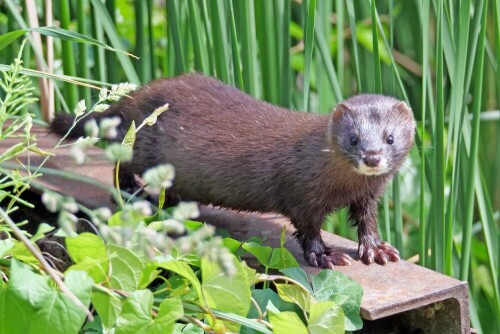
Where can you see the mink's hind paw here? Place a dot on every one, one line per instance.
(381, 253)
(327, 259)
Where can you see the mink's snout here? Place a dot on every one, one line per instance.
(372, 160)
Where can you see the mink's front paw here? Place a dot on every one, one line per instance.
(380, 252)
(327, 258)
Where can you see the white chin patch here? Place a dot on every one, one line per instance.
(363, 169)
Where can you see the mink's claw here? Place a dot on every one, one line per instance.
(328, 259)
(338, 258)
(326, 262)
(311, 259)
(380, 253)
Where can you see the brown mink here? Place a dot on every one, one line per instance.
(233, 151)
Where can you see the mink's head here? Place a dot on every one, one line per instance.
(374, 133)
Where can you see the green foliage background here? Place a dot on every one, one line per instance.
(442, 57)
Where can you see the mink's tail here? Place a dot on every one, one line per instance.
(63, 123)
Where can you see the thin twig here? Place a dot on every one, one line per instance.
(197, 322)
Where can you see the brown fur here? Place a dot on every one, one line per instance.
(231, 150)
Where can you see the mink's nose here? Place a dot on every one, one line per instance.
(372, 160)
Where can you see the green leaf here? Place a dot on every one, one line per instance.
(326, 318)
(179, 286)
(17, 310)
(162, 197)
(39, 151)
(308, 48)
(171, 310)
(117, 152)
(294, 294)
(129, 139)
(149, 274)
(72, 36)
(93, 326)
(5, 245)
(262, 297)
(60, 311)
(136, 316)
(89, 253)
(252, 276)
(285, 322)
(34, 305)
(262, 253)
(127, 268)
(151, 119)
(183, 269)
(10, 37)
(282, 258)
(41, 231)
(86, 245)
(95, 268)
(274, 258)
(27, 285)
(232, 244)
(331, 285)
(107, 307)
(116, 219)
(193, 225)
(224, 293)
(298, 274)
(283, 237)
(20, 252)
(13, 151)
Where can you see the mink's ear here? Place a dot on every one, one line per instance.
(339, 110)
(403, 109)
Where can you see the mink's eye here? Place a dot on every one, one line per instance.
(353, 141)
(390, 139)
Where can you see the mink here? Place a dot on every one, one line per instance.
(234, 151)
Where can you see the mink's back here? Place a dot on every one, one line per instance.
(228, 148)
(231, 150)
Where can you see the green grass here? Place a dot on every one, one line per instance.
(439, 56)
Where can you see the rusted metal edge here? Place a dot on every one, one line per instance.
(458, 292)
